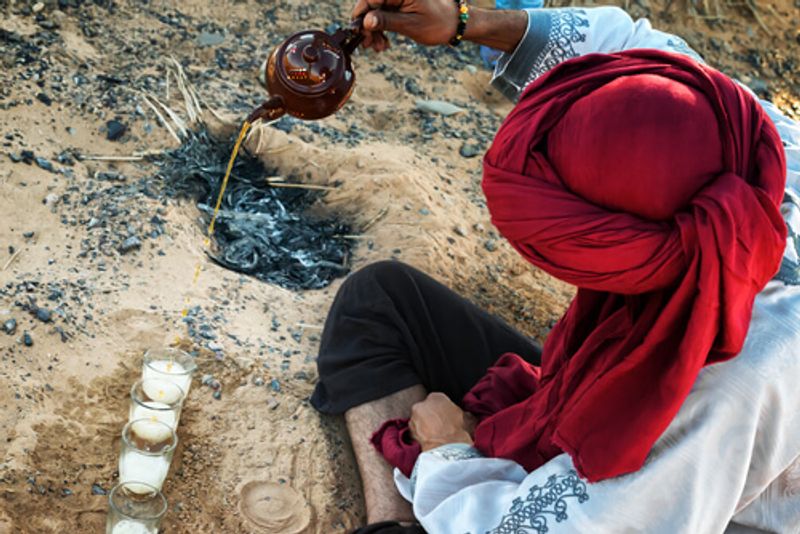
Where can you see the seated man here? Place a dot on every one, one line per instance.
(654, 184)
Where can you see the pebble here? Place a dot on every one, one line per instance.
(38, 6)
(206, 380)
(460, 230)
(132, 243)
(258, 381)
(10, 326)
(209, 39)
(115, 129)
(469, 150)
(438, 106)
(27, 339)
(490, 245)
(42, 163)
(51, 199)
(275, 385)
(44, 99)
(272, 403)
(413, 87)
(97, 489)
(424, 211)
(44, 315)
(217, 394)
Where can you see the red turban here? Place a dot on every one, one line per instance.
(652, 183)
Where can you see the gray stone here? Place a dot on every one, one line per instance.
(132, 243)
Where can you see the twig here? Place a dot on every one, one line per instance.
(303, 186)
(312, 326)
(355, 237)
(113, 158)
(176, 119)
(11, 259)
(381, 214)
(754, 10)
(161, 118)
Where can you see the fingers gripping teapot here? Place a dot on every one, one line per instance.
(309, 75)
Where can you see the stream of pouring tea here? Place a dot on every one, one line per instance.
(210, 232)
(269, 110)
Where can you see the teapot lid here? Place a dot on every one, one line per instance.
(309, 62)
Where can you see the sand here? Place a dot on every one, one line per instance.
(259, 459)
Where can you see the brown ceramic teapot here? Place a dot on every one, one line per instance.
(309, 75)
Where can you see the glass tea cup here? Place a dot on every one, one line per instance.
(135, 512)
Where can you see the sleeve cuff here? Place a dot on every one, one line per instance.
(513, 70)
(450, 452)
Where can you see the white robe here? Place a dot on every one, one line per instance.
(728, 463)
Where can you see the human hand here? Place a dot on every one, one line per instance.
(428, 22)
(437, 421)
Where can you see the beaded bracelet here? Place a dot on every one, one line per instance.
(463, 17)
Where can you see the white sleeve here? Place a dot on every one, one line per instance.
(727, 455)
(555, 35)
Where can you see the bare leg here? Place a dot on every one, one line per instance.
(383, 501)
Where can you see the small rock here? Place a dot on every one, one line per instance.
(115, 129)
(490, 245)
(478, 227)
(44, 99)
(206, 380)
(42, 163)
(759, 86)
(460, 230)
(97, 489)
(27, 235)
(44, 315)
(10, 327)
(66, 492)
(27, 339)
(38, 6)
(132, 243)
(51, 199)
(424, 211)
(258, 381)
(438, 106)
(469, 150)
(275, 385)
(272, 403)
(217, 394)
(209, 39)
(413, 87)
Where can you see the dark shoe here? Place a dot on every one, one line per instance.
(389, 527)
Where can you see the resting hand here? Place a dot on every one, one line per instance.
(437, 421)
(428, 22)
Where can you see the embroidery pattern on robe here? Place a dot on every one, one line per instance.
(530, 515)
(567, 27)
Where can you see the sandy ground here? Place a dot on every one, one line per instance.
(397, 174)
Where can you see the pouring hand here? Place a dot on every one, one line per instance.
(434, 22)
(428, 22)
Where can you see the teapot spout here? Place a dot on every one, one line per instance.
(270, 110)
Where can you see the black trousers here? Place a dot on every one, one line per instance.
(391, 327)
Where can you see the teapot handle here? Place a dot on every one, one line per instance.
(349, 39)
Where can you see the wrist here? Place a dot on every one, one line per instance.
(457, 437)
(498, 29)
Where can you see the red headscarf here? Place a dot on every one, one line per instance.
(652, 183)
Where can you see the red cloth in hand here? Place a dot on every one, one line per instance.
(508, 382)
(653, 183)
